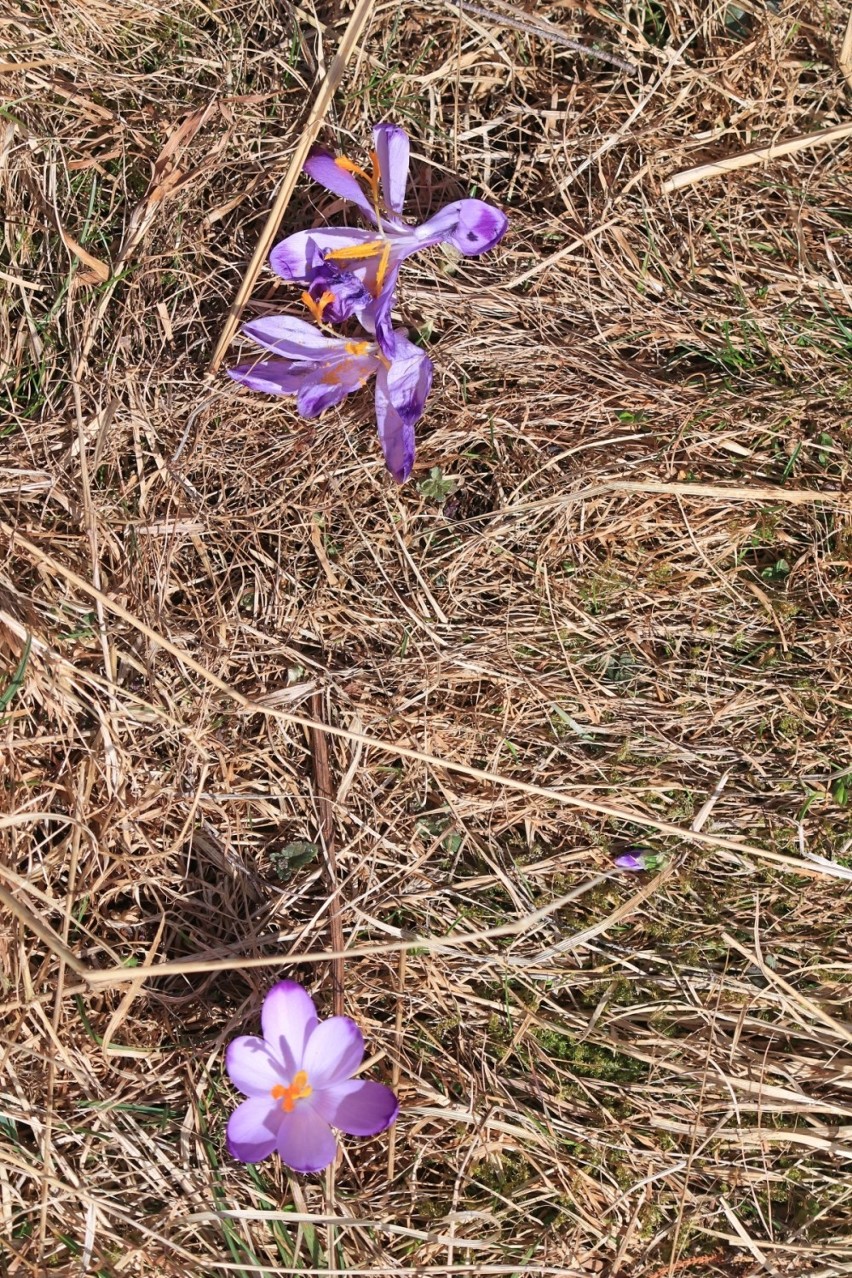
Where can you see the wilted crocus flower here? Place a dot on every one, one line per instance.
(299, 1084)
(374, 256)
(320, 369)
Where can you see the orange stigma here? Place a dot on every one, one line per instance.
(299, 1089)
(317, 308)
(372, 178)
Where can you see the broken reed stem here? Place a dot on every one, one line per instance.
(689, 177)
(325, 804)
(333, 77)
(844, 58)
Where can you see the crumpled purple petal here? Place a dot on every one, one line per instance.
(348, 293)
(305, 1141)
(392, 147)
(323, 168)
(471, 226)
(358, 1107)
(288, 1019)
(334, 1052)
(252, 1131)
(252, 1067)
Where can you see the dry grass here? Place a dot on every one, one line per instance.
(627, 583)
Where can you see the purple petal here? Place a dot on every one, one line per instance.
(471, 226)
(391, 146)
(252, 1131)
(288, 1019)
(273, 376)
(409, 379)
(252, 1067)
(323, 168)
(286, 335)
(332, 382)
(297, 257)
(357, 1107)
(305, 1141)
(334, 1052)
(395, 436)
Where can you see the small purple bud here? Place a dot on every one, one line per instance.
(630, 862)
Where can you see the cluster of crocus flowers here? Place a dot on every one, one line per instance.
(350, 274)
(298, 1083)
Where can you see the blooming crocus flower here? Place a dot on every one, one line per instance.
(374, 256)
(320, 369)
(299, 1084)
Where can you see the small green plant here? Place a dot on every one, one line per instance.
(437, 487)
(292, 857)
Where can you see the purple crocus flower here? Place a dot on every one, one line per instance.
(299, 1084)
(322, 369)
(374, 256)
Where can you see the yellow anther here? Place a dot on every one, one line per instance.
(371, 248)
(357, 348)
(317, 308)
(381, 269)
(299, 1089)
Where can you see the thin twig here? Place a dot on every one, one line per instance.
(307, 137)
(547, 32)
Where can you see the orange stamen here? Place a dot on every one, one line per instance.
(317, 308)
(351, 167)
(299, 1089)
(373, 179)
(357, 348)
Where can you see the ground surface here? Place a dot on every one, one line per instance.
(621, 572)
